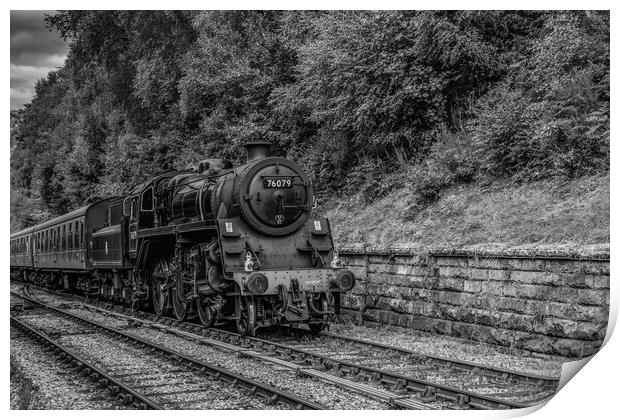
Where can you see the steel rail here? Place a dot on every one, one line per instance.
(95, 374)
(255, 388)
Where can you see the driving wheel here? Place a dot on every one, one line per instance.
(206, 314)
(180, 292)
(159, 287)
(247, 316)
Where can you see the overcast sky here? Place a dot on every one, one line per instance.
(34, 52)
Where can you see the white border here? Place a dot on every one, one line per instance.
(591, 395)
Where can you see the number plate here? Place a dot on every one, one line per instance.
(280, 182)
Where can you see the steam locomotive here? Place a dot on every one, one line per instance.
(220, 244)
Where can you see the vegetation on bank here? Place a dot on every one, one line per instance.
(406, 107)
(497, 216)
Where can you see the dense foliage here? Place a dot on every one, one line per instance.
(366, 101)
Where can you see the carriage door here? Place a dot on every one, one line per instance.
(130, 210)
(56, 242)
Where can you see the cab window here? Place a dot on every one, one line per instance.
(134, 208)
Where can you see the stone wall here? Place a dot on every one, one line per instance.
(553, 304)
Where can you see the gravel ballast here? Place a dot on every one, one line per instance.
(39, 382)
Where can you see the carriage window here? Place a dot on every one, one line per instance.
(76, 238)
(82, 233)
(69, 237)
(64, 237)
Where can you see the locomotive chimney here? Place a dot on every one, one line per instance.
(257, 150)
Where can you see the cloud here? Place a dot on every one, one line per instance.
(35, 51)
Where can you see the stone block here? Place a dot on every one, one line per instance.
(525, 264)
(494, 288)
(501, 275)
(576, 312)
(570, 266)
(516, 322)
(535, 277)
(450, 283)
(533, 342)
(490, 263)
(447, 261)
(575, 348)
(444, 296)
(580, 280)
(472, 286)
(575, 330)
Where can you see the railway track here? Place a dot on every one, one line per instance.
(180, 376)
(465, 366)
(375, 381)
(411, 363)
(116, 388)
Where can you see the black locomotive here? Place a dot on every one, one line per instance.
(220, 243)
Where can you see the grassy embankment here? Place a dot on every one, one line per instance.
(569, 214)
